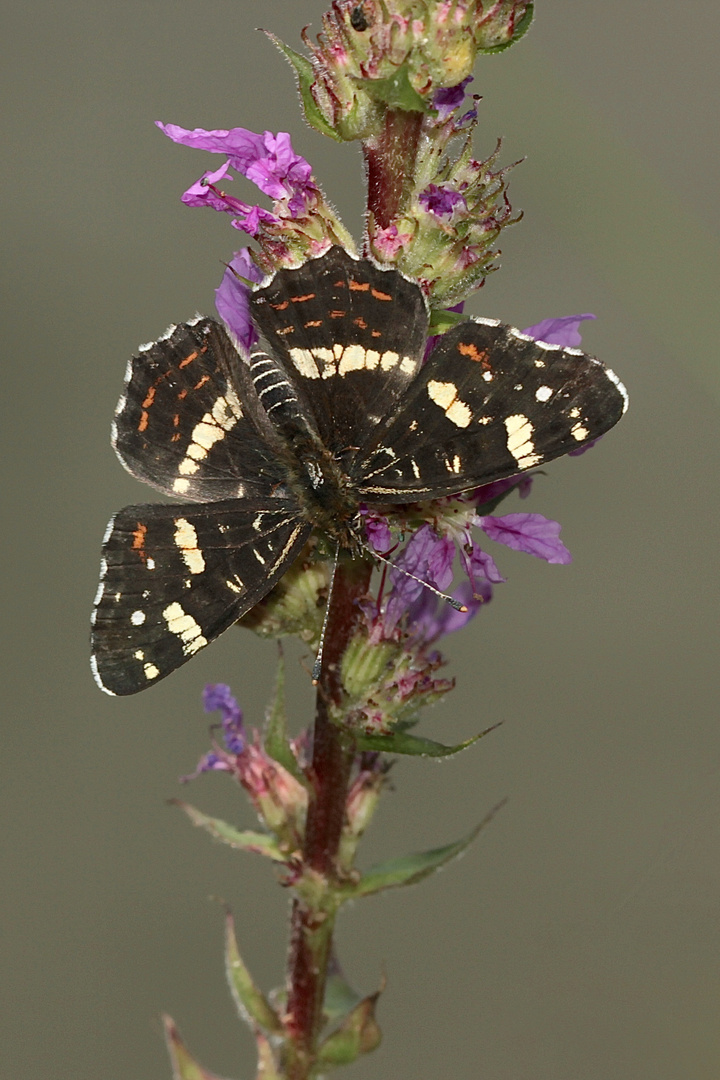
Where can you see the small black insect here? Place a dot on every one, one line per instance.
(337, 410)
(358, 19)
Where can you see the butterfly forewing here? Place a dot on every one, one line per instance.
(490, 402)
(174, 577)
(351, 338)
(338, 411)
(189, 422)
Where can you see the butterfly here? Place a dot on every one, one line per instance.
(336, 410)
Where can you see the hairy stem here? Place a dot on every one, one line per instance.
(390, 160)
(312, 923)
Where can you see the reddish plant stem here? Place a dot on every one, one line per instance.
(390, 159)
(311, 927)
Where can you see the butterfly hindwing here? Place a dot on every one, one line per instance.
(350, 336)
(338, 411)
(489, 403)
(189, 422)
(175, 577)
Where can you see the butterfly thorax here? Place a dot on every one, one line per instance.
(322, 487)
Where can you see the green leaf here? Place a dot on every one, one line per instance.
(395, 92)
(241, 840)
(306, 77)
(520, 30)
(252, 1005)
(340, 998)
(184, 1066)
(267, 1066)
(402, 742)
(276, 740)
(441, 321)
(358, 1034)
(409, 869)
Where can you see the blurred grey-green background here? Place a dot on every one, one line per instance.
(580, 938)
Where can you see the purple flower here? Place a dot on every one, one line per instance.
(219, 696)
(377, 531)
(431, 618)
(449, 98)
(251, 223)
(204, 193)
(280, 172)
(563, 331)
(426, 556)
(491, 491)
(441, 200)
(232, 298)
(532, 533)
(268, 160)
(480, 568)
(387, 242)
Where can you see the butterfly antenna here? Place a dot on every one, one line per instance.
(318, 659)
(426, 584)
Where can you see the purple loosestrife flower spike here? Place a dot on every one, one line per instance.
(232, 298)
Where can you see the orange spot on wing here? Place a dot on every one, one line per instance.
(480, 356)
(139, 540)
(338, 314)
(183, 394)
(188, 359)
(381, 295)
(359, 286)
(376, 333)
(280, 307)
(176, 420)
(150, 397)
(360, 322)
(205, 379)
(176, 437)
(143, 423)
(302, 299)
(315, 322)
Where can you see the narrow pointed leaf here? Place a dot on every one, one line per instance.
(252, 1005)
(184, 1066)
(276, 739)
(240, 839)
(402, 742)
(340, 998)
(409, 869)
(267, 1066)
(358, 1034)
(305, 78)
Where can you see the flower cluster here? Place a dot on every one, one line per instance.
(300, 225)
(377, 54)
(446, 229)
(278, 797)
